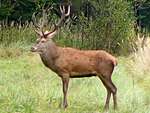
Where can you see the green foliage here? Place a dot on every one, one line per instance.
(21, 10)
(144, 16)
(141, 12)
(114, 25)
(5, 9)
(111, 30)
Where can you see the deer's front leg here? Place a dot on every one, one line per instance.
(65, 82)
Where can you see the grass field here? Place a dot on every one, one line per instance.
(26, 86)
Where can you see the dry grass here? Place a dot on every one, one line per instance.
(139, 66)
(10, 52)
(142, 56)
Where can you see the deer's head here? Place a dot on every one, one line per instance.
(45, 38)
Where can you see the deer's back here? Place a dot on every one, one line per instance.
(83, 62)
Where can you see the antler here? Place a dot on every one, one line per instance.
(59, 23)
(36, 26)
(39, 24)
(39, 27)
(63, 14)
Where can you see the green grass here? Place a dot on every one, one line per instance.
(26, 86)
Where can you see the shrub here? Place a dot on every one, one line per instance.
(112, 29)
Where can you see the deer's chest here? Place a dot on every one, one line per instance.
(49, 62)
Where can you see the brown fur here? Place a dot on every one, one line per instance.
(73, 63)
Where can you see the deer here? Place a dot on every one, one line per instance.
(69, 62)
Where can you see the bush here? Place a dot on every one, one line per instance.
(112, 29)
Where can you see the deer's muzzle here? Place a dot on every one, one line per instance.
(33, 49)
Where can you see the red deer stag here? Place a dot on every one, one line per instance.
(73, 63)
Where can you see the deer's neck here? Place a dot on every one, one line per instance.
(50, 55)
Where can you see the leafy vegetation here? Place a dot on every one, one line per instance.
(99, 24)
(22, 10)
(108, 30)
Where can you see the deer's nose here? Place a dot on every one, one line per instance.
(33, 49)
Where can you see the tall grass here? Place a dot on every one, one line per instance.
(82, 37)
(28, 87)
(24, 36)
(11, 36)
(140, 64)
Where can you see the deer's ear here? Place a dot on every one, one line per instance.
(52, 34)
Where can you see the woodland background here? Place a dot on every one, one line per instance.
(107, 24)
(121, 27)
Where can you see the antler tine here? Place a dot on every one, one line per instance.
(68, 13)
(52, 33)
(36, 26)
(62, 9)
(60, 21)
(43, 34)
(56, 26)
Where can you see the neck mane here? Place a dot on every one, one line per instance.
(49, 55)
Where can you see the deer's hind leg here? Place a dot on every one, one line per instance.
(110, 87)
(114, 94)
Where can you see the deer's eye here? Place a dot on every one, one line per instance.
(38, 40)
